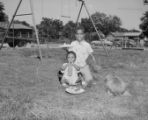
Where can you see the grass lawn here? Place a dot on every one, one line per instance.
(29, 89)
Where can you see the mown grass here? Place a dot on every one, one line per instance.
(29, 89)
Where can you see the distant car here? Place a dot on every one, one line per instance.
(117, 43)
(98, 42)
(130, 43)
(145, 43)
(107, 42)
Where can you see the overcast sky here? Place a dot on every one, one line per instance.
(129, 11)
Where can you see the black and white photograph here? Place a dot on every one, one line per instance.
(73, 59)
(146, 1)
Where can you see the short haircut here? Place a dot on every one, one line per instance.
(80, 28)
(71, 52)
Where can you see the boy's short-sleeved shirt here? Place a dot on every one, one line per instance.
(82, 50)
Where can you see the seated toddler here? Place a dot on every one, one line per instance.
(70, 73)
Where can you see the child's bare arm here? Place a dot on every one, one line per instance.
(76, 67)
(64, 67)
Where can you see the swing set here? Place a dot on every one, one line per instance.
(83, 4)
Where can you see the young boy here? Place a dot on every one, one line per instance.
(83, 50)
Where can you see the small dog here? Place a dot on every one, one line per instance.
(115, 85)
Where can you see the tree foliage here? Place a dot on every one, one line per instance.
(105, 23)
(144, 24)
(87, 25)
(50, 28)
(3, 16)
(69, 30)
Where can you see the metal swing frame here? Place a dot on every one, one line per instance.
(34, 25)
(84, 4)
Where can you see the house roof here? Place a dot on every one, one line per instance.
(117, 34)
(126, 34)
(134, 34)
(4, 25)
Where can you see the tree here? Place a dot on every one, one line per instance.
(144, 24)
(114, 23)
(87, 25)
(69, 30)
(105, 23)
(3, 16)
(50, 28)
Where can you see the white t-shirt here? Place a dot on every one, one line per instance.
(70, 74)
(82, 50)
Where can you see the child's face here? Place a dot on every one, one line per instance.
(71, 58)
(80, 35)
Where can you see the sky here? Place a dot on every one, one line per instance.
(129, 11)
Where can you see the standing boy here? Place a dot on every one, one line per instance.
(83, 50)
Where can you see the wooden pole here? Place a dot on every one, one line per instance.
(34, 24)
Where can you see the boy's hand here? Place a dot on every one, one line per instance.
(96, 68)
(93, 64)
